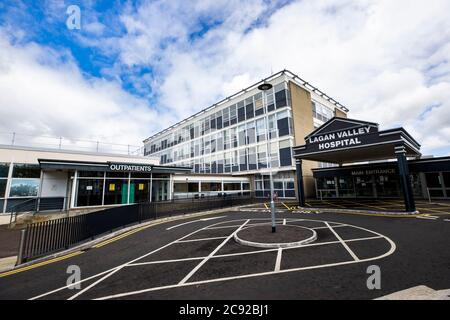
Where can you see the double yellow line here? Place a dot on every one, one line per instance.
(40, 264)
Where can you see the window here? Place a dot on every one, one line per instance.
(219, 118)
(249, 109)
(234, 137)
(270, 101)
(241, 134)
(274, 154)
(4, 170)
(262, 156)
(228, 161)
(283, 123)
(272, 127)
(233, 115)
(285, 153)
(26, 171)
(89, 192)
(251, 131)
(281, 95)
(226, 117)
(241, 111)
(116, 191)
(259, 110)
(243, 160)
(261, 130)
(251, 158)
(321, 112)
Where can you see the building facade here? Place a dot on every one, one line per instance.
(231, 137)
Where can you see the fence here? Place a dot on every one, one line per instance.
(46, 237)
(69, 144)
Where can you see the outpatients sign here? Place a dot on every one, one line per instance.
(129, 167)
(338, 139)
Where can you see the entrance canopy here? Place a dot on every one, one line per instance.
(110, 167)
(342, 140)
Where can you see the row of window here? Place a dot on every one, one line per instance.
(277, 97)
(280, 125)
(25, 180)
(283, 185)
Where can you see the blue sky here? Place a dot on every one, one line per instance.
(136, 67)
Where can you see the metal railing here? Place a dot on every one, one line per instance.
(42, 238)
(68, 144)
(35, 205)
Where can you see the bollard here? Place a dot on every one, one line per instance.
(21, 244)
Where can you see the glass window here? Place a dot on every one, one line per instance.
(89, 192)
(226, 117)
(234, 137)
(4, 169)
(232, 186)
(260, 130)
(26, 171)
(211, 186)
(242, 136)
(241, 111)
(251, 158)
(233, 115)
(258, 104)
(270, 101)
(2, 189)
(24, 187)
(242, 160)
(262, 157)
(249, 108)
(116, 191)
(139, 191)
(251, 132)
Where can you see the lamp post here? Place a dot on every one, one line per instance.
(264, 87)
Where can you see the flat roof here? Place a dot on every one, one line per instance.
(304, 83)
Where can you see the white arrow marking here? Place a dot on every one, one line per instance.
(204, 219)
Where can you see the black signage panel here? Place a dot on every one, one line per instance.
(342, 139)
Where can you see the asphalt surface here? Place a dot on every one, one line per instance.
(206, 263)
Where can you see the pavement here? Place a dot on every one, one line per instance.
(198, 259)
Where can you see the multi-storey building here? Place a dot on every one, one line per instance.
(230, 137)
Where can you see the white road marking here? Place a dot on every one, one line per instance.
(448, 220)
(131, 263)
(201, 239)
(190, 274)
(427, 217)
(185, 223)
(343, 243)
(278, 261)
(336, 226)
(118, 267)
(284, 222)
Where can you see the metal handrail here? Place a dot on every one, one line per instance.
(14, 209)
(37, 206)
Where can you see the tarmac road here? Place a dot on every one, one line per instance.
(208, 264)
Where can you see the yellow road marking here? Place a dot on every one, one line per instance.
(289, 208)
(334, 204)
(265, 205)
(40, 264)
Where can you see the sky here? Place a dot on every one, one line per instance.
(136, 67)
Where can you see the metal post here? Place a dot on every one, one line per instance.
(264, 87)
(21, 245)
(13, 138)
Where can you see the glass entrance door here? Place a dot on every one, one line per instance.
(364, 186)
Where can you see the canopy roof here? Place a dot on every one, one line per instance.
(342, 140)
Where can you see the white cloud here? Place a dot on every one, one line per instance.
(386, 60)
(43, 92)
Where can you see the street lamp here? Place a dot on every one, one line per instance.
(264, 87)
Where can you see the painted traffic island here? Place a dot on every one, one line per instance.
(286, 236)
